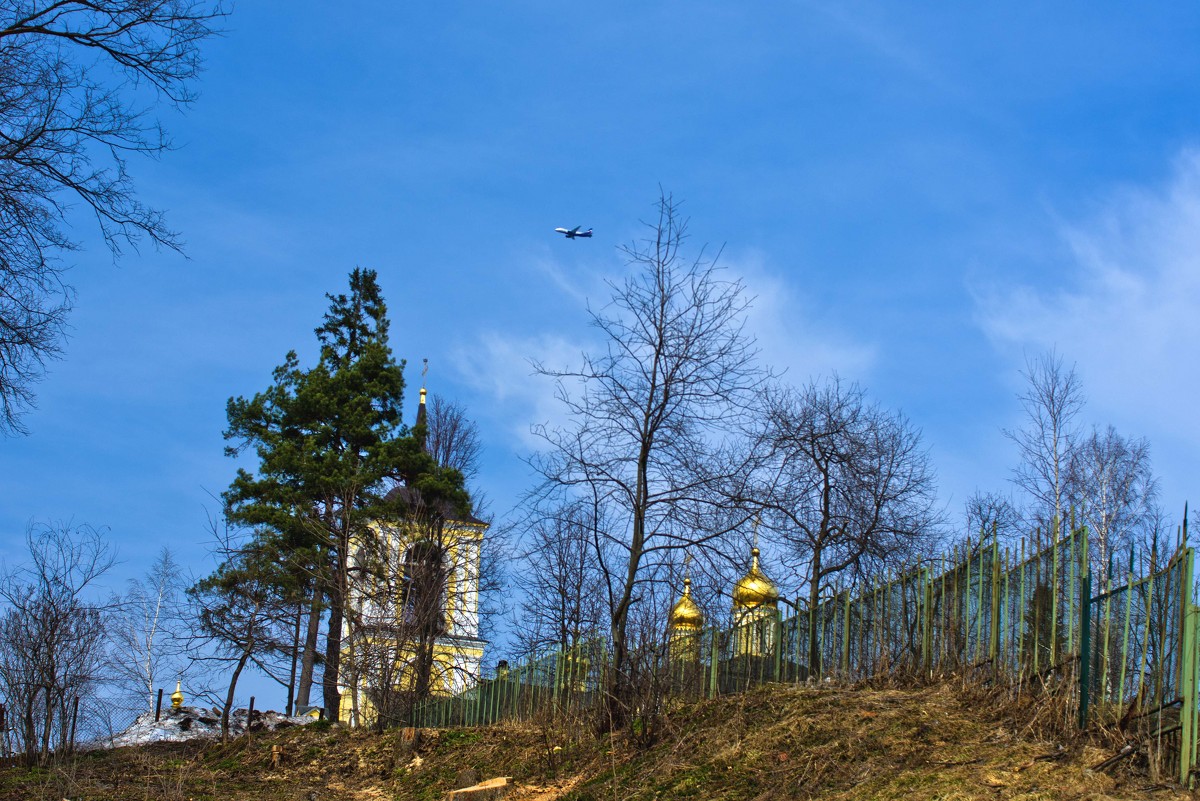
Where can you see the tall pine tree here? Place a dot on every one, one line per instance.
(331, 442)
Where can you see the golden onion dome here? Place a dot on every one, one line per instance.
(685, 614)
(754, 589)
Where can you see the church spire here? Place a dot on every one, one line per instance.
(421, 419)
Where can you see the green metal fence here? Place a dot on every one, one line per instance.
(1120, 648)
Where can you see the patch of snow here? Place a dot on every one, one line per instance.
(195, 723)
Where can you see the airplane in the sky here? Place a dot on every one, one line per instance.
(571, 233)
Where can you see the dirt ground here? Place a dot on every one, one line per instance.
(940, 742)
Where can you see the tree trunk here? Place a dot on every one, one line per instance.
(291, 690)
(339, 596)
(814, 599)
(30, 731)
(333, 659)
(617, 693)
(237, 671)
(48, 723)
(423, 662)
(309, 660)
(355, 679)
(620, 683)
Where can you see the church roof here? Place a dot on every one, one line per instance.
(410, 497)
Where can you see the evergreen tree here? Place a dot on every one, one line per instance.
(331, 443)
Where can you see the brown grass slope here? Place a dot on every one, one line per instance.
(937, 742)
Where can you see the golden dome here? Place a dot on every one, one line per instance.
(177, 696)
(754, 589)
(685, 614)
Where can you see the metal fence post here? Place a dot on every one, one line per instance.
(966, 600)
(559, 660)
(1072, 586)
(994, 639)
(777, 637)
(1187, 678)
(1021, 612)
(1054, 589)
(927, 591)
(979, 605)
(714, 662)
(846, 638)
(1193, 757)
(1085, 652)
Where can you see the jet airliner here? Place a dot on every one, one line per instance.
(572, 233)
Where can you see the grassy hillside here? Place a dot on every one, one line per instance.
(777, 742)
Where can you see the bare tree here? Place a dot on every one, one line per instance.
(561, 580)
(73, 108)
(239, 612)
(52, 634)
(854, 492)
(453, 439)
(1052, 399)
(989, 512)
(145, 630)
(656, 420)
(1114, 488)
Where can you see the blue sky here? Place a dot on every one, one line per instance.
(918, 194)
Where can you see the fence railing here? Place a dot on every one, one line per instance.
(1118, 651)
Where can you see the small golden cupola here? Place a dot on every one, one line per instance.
(685, 614)
(685, 626)
(754, 590)
(755, 612)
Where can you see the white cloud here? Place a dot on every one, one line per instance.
(791, 336)
(500, 368)
(793, 333)
(558, 275)
(1125, 311)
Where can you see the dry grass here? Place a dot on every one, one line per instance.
(938, 742)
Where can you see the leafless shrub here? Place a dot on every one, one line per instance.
(52, 635)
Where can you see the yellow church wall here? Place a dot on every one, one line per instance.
(454, 662)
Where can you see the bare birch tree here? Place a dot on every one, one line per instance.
(1052, 399)
(146, 630)
(1114, 490)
